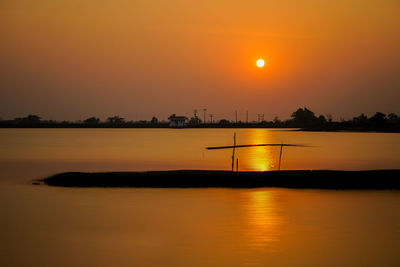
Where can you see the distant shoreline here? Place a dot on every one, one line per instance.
(300, 129)
(302, 118)
(306, 179)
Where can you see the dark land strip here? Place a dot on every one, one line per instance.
(318, 179)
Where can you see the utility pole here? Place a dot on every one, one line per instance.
(204, 110)
(211, 117)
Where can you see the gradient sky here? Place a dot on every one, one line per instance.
(67, 59)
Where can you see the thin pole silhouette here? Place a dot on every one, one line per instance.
(280, 157)
(253, 145)
(237, 164)
(239, 146)
(233, 153)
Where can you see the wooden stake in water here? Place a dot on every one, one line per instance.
(253, 145)
(233, 153)
(280, 157)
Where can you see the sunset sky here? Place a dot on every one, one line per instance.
(68, 60)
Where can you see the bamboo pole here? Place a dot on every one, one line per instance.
(254, 145)
(233, 152)
(280, 157)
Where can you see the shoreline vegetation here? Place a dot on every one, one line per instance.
(303, 120)
(297, 179)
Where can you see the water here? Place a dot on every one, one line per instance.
(50, 226)
(156, 149)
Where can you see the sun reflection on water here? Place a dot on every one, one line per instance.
(262, 217)
(257, 158)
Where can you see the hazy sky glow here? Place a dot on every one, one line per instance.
(66, 59)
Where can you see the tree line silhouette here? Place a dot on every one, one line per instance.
(302, 118)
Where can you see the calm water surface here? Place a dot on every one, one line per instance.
(50, 226)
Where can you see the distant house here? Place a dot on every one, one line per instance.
(177, 121)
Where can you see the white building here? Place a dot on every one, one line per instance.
(177, 121)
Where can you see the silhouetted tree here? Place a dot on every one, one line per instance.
(92, 120)
(360, 119)
(223, 122)
(33, 118)
(304, 117)
(29, 120)
(393, 118)
(277, 122)
(115, 120)
(321, 119)
(379, 119)
(154, 120)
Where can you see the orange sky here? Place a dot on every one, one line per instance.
(73, 59)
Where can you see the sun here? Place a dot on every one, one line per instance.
(260, 63)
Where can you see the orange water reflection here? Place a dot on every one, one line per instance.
(169, 149)
(263, 223)
(257, 158)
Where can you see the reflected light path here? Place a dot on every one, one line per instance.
(256, 158)
(263, 223)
